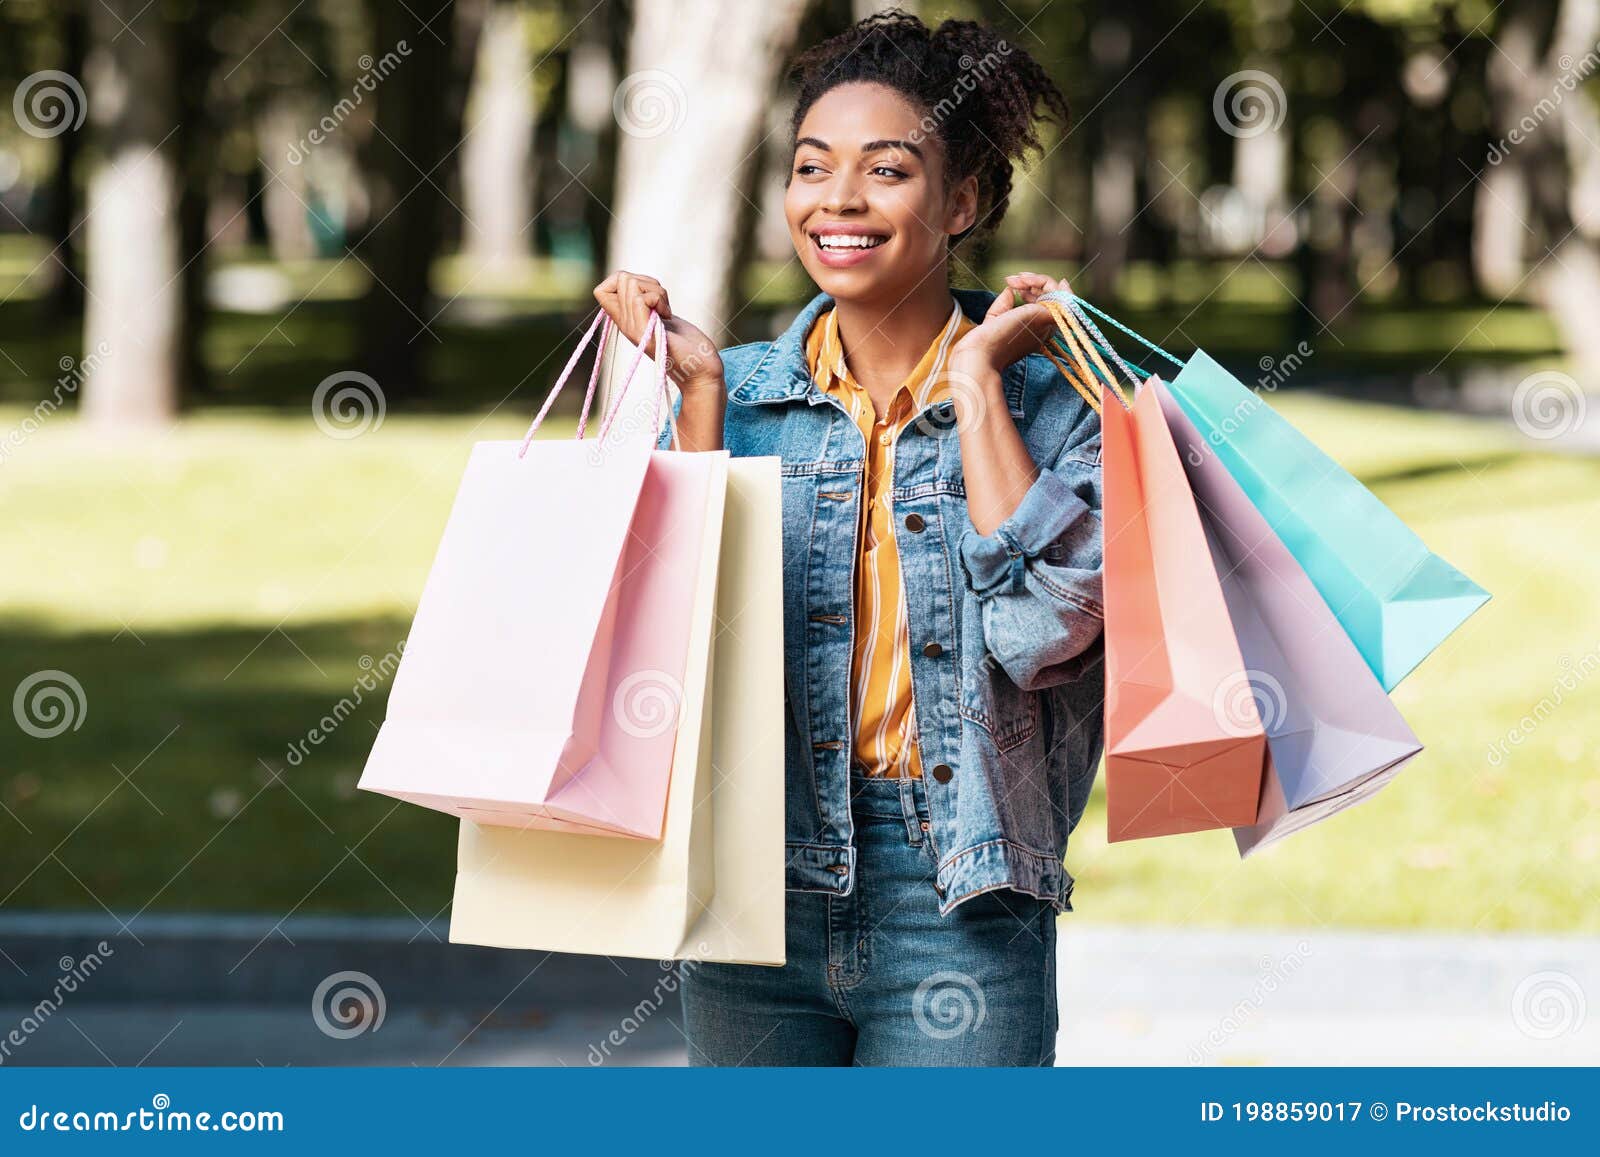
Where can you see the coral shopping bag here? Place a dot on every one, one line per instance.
(1333, 736)
(543, 671)
(1395, 598)
(1174, 761)
(712, 888)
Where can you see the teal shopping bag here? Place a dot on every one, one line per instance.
(1394, 597)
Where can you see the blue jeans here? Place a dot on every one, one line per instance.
(878, 977)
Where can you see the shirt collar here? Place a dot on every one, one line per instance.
(926, 383)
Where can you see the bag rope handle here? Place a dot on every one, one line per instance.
(1071, 331)
(1138, 337)
(658, 327)
(603, 322)
(1065, 367)
(1088, 325)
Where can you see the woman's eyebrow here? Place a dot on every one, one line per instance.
(879, 146)
(869, 147)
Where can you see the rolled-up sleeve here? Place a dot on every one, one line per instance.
(1038, 575)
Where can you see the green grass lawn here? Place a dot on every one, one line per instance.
(217, 590)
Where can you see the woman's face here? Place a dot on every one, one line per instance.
(866, 204)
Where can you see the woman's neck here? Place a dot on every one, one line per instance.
(884, 341)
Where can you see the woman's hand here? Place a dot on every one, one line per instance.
(1008, 331)
(995, 463)
(692, 360)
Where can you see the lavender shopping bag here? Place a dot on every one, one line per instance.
(1333, 735)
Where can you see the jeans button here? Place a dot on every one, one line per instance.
(914, 523)
(924, 825)
(942, 772)
(932, 650)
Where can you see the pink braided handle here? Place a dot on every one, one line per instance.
(606, 325)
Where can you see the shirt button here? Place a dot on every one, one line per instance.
(942, 772)
(932, 650)
(914, 522)
(883, 439)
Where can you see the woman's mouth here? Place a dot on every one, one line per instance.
(838, 250)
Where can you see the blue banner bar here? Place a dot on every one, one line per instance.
(802, 1111)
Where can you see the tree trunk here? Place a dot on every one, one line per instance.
(1566, 278)
(1499, 228)
(1117, 131)
(133, 323)
(63, 295)
(598, 56)
(495, 174)
(286, 193)
(418, 119)
(691, 112)
(195, 155)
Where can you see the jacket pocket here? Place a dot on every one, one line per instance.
(991, 700)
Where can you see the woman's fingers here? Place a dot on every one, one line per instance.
(1001, 303)
(1033, 286)
(630, 298)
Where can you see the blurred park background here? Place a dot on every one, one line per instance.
(267, 269)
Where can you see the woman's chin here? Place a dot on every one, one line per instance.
(845, 283)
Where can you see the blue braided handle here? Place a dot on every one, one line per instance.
(1082, 305)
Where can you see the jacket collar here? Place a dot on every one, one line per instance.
(780, 374)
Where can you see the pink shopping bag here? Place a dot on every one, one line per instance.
(542, 676)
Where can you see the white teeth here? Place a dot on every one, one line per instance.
(849, 241)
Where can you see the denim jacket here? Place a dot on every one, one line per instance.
(1008, 705)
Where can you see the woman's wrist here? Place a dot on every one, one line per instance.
(704, 385)
(700, 416)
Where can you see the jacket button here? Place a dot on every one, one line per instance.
(942, 772)
(932, 650)
(914, 523)
(925, 828)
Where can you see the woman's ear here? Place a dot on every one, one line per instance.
(963, 207)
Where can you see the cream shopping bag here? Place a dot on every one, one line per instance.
(713, 887)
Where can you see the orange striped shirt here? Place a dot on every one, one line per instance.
(885, 740)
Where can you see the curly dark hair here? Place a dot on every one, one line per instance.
(978, 93)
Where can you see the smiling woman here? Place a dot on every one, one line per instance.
(941, 527)
(969, 100)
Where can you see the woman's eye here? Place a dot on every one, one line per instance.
(806, 169)
(889, 171)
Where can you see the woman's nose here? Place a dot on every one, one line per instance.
(843, 192)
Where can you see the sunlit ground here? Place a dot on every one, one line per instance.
(216, 590)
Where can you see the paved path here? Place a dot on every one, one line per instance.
(1128, 996)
